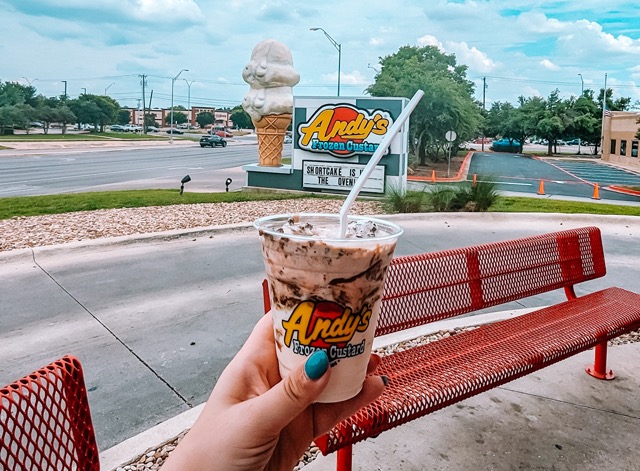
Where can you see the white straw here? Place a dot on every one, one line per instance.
(375, 158)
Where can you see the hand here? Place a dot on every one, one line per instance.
(254, 420)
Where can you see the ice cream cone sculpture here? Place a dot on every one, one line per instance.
(271, 76)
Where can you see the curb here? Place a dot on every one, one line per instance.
(166, 236)
(460, 176)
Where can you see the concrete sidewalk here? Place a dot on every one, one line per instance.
(558, 418)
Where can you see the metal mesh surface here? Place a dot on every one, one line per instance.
(45, 422)
(433, 376)
(425, 288)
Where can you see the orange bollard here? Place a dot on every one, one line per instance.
(433, 176)
(596, 192)
(474, 179)
(541, 188)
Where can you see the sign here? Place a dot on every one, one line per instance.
(344, 130)
(340, 176)
(450, 136)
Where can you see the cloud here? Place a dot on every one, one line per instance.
(547, 64)
(470, 56)
(376, 41)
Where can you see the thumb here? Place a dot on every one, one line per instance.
(297, 391)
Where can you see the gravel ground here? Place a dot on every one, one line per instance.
(34, 231)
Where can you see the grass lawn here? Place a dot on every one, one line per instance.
(535, 205)
(130, 136)
(57, 204)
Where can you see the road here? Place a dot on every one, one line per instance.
(155, 323)
(70, 171)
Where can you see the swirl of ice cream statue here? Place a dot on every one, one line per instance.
(271, 76)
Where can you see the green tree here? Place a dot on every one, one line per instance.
(9, 115)
(13, 93)
(241, 118)
(96, 110)
(123, 116)
(204, 119)
(150, 120)
(448, 103)
(178, 118)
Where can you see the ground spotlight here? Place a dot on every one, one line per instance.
(228, 182)
(185, 179)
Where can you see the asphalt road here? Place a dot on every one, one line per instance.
(48, 172)
(562, 177)
(155, 323)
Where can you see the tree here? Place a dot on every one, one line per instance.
(13, 93)
(448, 103)
(241, 118)
(204, 119)
(94, 109)
(178, 118)
(123, 116)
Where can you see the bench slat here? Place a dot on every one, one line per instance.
(427, 378)
(429, 287)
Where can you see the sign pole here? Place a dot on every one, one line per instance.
(450, 136)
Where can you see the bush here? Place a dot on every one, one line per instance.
(397, 201)
(466, 197)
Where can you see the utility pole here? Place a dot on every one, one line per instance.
(65, 89)
(189, 101)
(484, 88)
(604, 109)
(144, 104)
(581, 93)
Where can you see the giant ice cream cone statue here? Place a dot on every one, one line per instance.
(271, 75)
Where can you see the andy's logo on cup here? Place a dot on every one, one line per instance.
(325, 325)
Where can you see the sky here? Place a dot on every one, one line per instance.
(526, 48)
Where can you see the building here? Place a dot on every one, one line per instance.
(222, 118)
(620, 143)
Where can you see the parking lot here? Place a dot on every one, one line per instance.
(596, 172)
(561, 176)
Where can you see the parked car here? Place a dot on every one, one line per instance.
(132, 128)
(212, 140)
(174, 131)
(505, 145)
(223, 133)
(288, 139)
(573, 142)
(36, 124)
(152, 129)
(117, 128)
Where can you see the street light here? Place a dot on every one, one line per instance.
(581, 93)
(84, 91)
(107, 89)
(65, 89)
(30, 81)
(173, 81)
(371, 67)
(337, 46)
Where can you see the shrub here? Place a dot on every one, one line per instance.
(397, 201)
(466, 197)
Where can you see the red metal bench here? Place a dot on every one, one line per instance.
(45, 422)
(429, 287)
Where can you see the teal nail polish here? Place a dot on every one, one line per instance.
(316, 365)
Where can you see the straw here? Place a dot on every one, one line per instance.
(375, 158)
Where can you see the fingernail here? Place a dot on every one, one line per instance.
(316, 365)
(385, 380)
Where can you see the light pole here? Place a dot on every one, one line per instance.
(173, 81)
(107, 89)
(189, 100)
(84, 91)
(369, 66)
(581, 93)
(30, 81)
(65, 89)
(338, 47)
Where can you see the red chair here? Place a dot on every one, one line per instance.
(45, 422)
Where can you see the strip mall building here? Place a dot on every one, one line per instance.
(620, 141)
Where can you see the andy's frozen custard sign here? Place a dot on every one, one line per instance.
(344, 130)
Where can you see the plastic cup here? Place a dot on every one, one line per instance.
(325, 293)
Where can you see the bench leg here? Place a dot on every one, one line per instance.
(344, 458)
(599, 368)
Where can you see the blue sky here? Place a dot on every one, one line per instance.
(529, 48)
